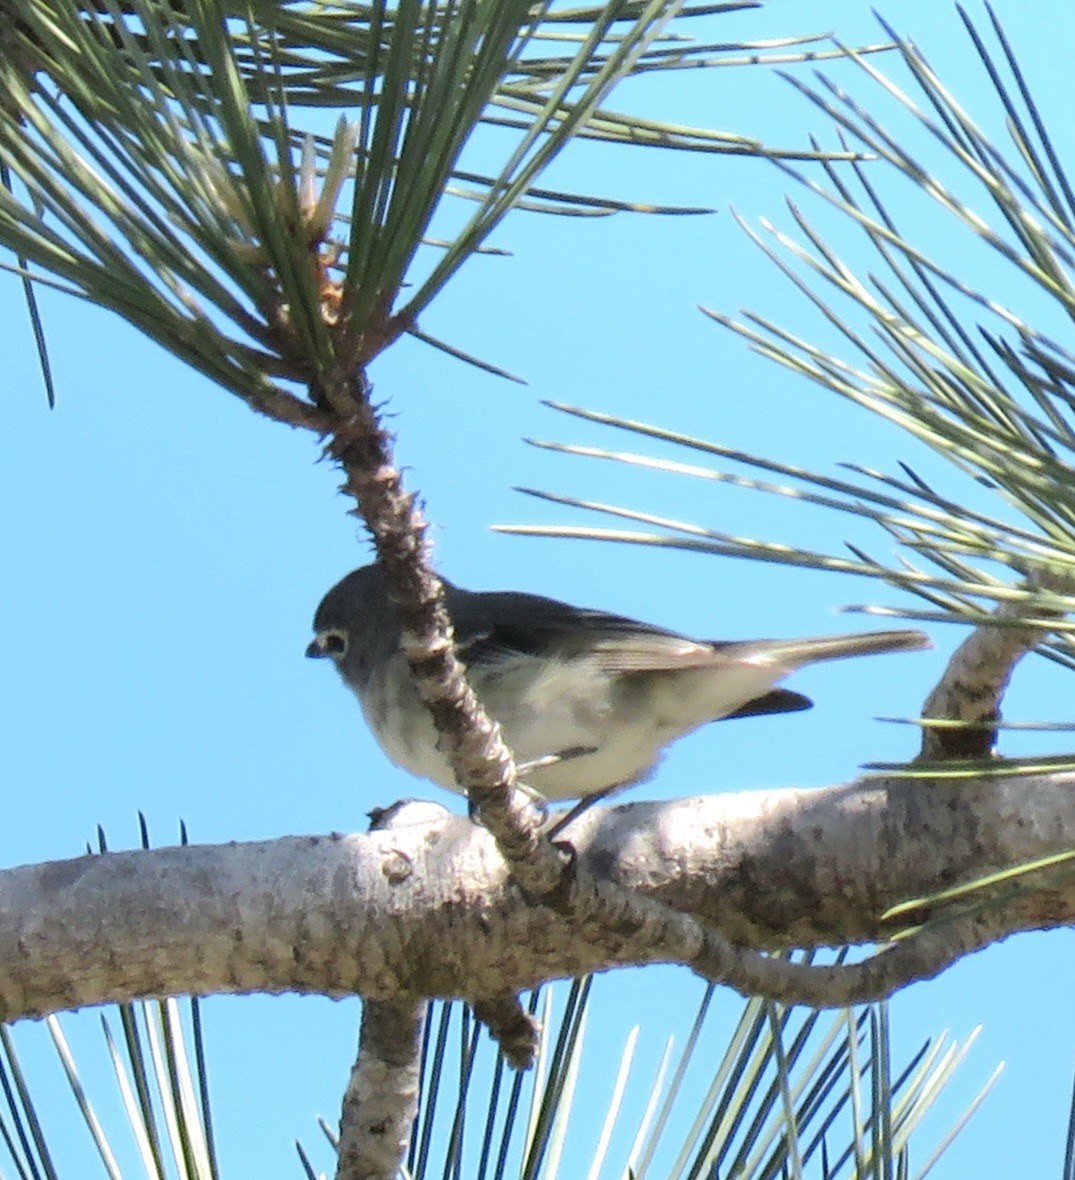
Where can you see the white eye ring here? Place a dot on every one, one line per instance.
(333, 643)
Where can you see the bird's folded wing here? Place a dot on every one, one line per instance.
(618, 645)
(529, 625)
(657, 653)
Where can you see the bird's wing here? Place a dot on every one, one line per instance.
(528, 624)
(654, 651)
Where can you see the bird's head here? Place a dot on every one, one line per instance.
(355, 622)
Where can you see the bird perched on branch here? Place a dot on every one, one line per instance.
(588, 700)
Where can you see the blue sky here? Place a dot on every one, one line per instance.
(167, 550)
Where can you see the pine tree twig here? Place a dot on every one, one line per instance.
(512, 1027)
(974, 682)
(482, 763)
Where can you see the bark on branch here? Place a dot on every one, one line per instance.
(432, 909)
(381, 1099)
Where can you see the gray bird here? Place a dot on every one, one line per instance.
(588, 699)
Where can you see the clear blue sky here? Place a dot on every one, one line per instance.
(166, 551)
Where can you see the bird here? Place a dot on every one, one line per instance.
(587, 701)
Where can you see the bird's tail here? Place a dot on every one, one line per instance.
(794, 653)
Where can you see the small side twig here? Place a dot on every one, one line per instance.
(973, 685)
(512, 1027)
(923, 955)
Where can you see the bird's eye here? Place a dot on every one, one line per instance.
(333, 643)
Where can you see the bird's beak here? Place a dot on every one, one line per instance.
(315, 651)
